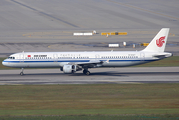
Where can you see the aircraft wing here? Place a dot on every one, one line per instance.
(91, 63)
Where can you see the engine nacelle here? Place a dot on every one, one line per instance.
(69, 68)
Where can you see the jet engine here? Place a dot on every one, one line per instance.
(69, 68)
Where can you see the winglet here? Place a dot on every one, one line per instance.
(159, 41)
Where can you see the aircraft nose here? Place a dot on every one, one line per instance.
(4, 63)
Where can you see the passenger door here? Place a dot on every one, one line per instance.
(142, 56)
(21, 57)
(55, 57)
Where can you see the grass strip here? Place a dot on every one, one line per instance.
(113, 99)
(94, 117)
(77, 112)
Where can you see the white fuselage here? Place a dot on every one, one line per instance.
(58, 59)
(70, 62)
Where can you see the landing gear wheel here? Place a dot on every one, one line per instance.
(86, 72)
(21, 73)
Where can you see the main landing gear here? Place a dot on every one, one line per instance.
(86, 72)
(21, 73)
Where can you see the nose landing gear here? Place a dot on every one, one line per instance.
(21, 73)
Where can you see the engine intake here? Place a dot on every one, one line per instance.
(69, 68)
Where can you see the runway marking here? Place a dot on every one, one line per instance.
(149, 11)
(45, 14)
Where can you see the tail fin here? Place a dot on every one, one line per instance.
(159, 41)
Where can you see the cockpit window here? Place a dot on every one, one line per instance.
(11, 57)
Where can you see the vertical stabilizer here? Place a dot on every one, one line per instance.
(159, 41)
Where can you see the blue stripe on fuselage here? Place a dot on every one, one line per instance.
(74, 61)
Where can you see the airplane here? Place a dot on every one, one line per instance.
(71, 62)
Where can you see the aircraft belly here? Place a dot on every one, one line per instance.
(43, 65)
(35, 65)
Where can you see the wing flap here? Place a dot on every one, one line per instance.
(85, 63)
(90, 64)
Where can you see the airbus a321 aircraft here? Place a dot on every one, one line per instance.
(71, 62)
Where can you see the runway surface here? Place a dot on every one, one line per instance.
(130, 75)
(38, 25)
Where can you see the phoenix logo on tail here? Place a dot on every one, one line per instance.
(160, 41)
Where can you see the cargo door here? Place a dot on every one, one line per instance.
(55, 57)
(142, 56)
(21, 58)
(97, 57)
